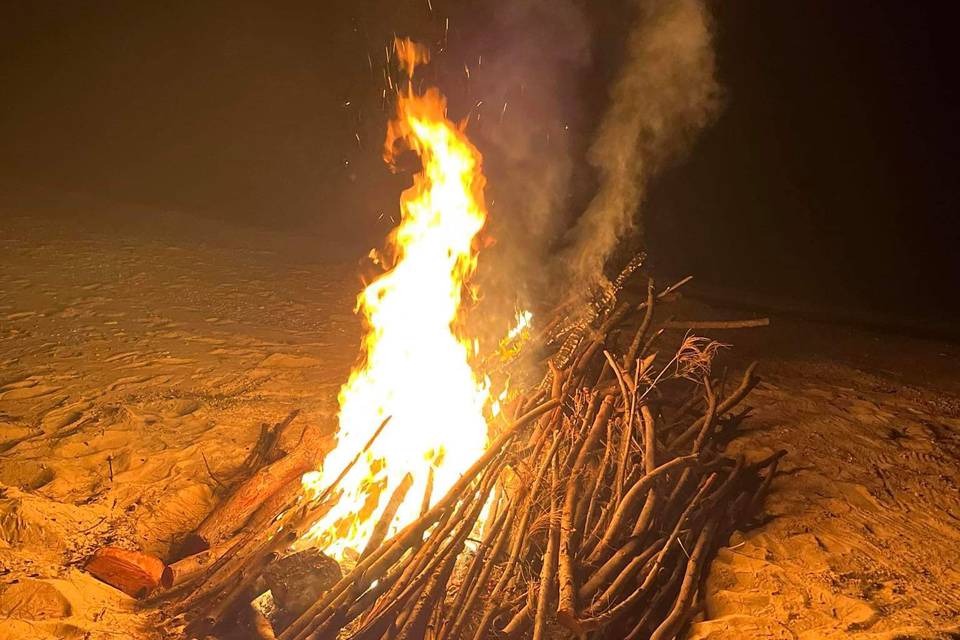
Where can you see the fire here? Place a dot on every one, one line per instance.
(415, 368)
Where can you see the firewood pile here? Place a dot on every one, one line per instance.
(594, 512)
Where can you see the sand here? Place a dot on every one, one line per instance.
(137, 367)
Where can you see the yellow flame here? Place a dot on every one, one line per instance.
(523, 321)
(415, 368)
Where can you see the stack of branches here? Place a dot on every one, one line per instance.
(594, 513)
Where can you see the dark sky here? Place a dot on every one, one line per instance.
(829, 178)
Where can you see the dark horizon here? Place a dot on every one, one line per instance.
(827, 179)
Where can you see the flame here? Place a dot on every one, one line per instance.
(415, 369)
(523, 322)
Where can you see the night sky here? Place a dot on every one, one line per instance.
(829, 179)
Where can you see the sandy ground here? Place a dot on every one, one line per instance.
(132, 362)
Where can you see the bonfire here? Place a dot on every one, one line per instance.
(568, 482)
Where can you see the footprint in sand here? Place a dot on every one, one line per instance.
(28, 475)
(26, 389)
(288, 361)
(21, 315)
(34, 600)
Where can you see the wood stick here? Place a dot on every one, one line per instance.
(380, 529)
(627, 505)
(663, 294)
(595, 490)
(634, 349)
(133, 572)
(256, 549)
(260, 625)
(448, 523)
(190, 567)
(566, 572)
(448, 544)
(596, 344)
(647, 514)
(548, 571)
(746, 384)
(628, 603)
(708, 418)
(519, 542)
(415, 627)
(655, 605)
(427, 492)
(479, 572)
(626, 444)
(264, 451)
(716, 324)
(649, 439)
(627, 573)
(669, 627)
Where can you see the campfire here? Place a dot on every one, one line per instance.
(586, 499)
(415, 371)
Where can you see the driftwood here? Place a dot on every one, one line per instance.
(133, 572)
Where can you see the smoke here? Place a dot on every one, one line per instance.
(665, 94)
(533, 53)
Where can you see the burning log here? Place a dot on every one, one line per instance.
(133, 572)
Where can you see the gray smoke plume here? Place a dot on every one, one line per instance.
(665, 94)
(533, 53)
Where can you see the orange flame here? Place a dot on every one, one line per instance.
(415, 368)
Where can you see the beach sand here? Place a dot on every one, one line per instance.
(138, 366)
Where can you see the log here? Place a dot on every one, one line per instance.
(548, 571)
(296, 580)
(566, 573)
(231, 514)
(192, 566)
(133, 572)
